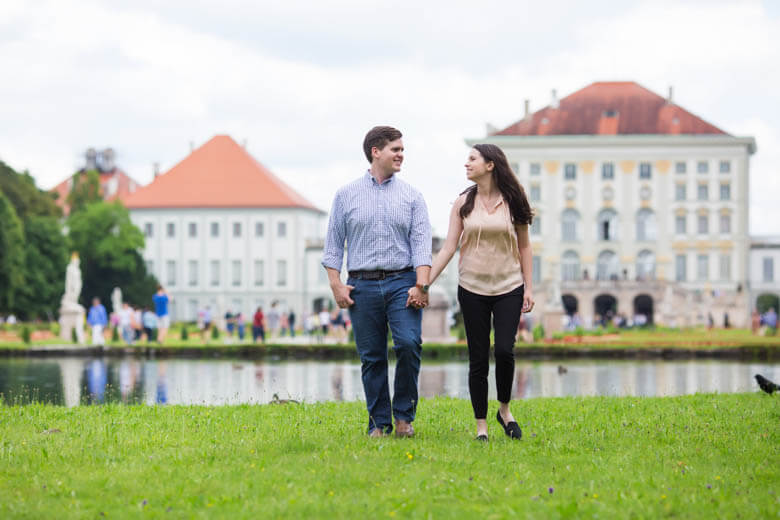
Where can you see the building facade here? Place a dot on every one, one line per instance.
(223, 231)
(634, 194)
(763, 268)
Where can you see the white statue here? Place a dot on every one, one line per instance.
(116, 299)
(70, 300)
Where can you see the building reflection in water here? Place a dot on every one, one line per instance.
(216, 382)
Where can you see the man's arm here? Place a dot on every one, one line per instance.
(420, 244)
(340, 290)
(333, 254)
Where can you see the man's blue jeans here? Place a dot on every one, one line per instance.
(379, 303)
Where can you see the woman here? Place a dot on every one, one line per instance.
(490, 222)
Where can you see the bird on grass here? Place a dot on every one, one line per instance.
(276, 400)
(766, 385)
(562, 369)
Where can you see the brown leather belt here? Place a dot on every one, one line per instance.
(377, 275)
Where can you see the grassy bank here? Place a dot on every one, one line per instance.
(695, 456)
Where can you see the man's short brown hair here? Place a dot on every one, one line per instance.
(379, 136)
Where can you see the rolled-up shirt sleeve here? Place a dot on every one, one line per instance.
(333, 253)
(420, 233)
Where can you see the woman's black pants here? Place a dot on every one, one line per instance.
(505, 310)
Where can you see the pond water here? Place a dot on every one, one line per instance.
(75, 381)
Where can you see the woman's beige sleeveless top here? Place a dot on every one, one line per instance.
(489, 257)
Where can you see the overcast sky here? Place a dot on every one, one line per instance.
(301, 82)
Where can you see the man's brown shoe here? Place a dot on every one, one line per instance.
(403, 429)
(376, 433)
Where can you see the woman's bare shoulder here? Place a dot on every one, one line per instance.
(459, 201)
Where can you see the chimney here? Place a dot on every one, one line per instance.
(107, 160)
(669, 97)
(91, 157)
(554, 103)
(156, 169)
(527, 109)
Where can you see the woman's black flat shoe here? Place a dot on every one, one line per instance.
(512, 429)
(481, 438)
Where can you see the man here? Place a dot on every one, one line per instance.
(97, 319)
(161, 310)
(384, 222)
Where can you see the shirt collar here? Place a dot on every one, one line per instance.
(372, 180)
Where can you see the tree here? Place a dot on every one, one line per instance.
(12, 267)
(108, 245)
(25, 197)
(46, 257)
(85, 191)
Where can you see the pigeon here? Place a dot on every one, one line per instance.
(562, 369)
(766, 385)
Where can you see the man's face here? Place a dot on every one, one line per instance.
(389, 158)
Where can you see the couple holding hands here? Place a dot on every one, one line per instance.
(384, 223)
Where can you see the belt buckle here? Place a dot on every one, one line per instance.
(382, 275)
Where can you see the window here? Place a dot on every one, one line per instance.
(703, 224)
(535, 193)
(570, 266)
(680, 167)
(702, 268)
(215, 273)
(725, 167)
(725, 224)
(645, 265)
(535, 168)
(607, 266)
(570, 171)
(703, 167)
(192, 268)
(215, 229)
(608, 171)
(537, 269)
(769, 269)
(192, 230)
(150, 267)
(236, 271)
(607, 224)
(725, 191)
(260, 272)
(645, 224)
(259, 229)
(680, 224)
(703, 192)
(724, 268)
(680, 268)
(170, 230)
(536, 226)
(569, 226)
(281, 273)
(281, 229)
(236, 229)
(645, 170)
(170, 272)
(148, 230)
(680, 192)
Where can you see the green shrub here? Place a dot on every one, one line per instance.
(73, 337)
(115, 334)
(771, 331)
(579, 331)
(184, 333)
(558, 335)
(26, 334)
(597, 331)
(54, 327)
(611, 329)
(214, 332)
(538, 332)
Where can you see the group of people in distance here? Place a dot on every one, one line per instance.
(133, 323)
(383, 222)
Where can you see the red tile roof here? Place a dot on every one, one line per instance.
(610, 108)
(125, 185)
(219, 174)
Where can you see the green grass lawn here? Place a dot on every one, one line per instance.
(702, 456)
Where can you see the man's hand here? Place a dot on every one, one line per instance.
(417, 298)
(341, 295)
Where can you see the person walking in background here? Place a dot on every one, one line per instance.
(205, 320)
(384, 223)
(258, 325)
(283, 324)
(97, 319)
(291, 323)
(490, 221)
(324, 319)
(240, 325)
(272, 320)
(126, 320)
(230, 322)
(161, 301)
(149, 322)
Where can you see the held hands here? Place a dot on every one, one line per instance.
(341, 295)
(528, 301)
(417, 298)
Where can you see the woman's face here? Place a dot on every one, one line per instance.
(476, 167)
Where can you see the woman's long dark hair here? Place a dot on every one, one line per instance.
(507, 184)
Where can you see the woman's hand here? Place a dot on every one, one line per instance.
(528, 301)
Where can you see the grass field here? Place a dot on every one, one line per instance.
(700, 456)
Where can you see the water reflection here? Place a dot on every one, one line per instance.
(71, 381)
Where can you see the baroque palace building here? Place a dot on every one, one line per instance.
(641, 206)
(223, 231)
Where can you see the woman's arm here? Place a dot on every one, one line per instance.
(526, 265)
(451, 242)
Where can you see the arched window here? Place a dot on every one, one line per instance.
(607, 225)
(645, 224)
(645, 265)
(570, 266)
(570, 225)
(607, 266)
